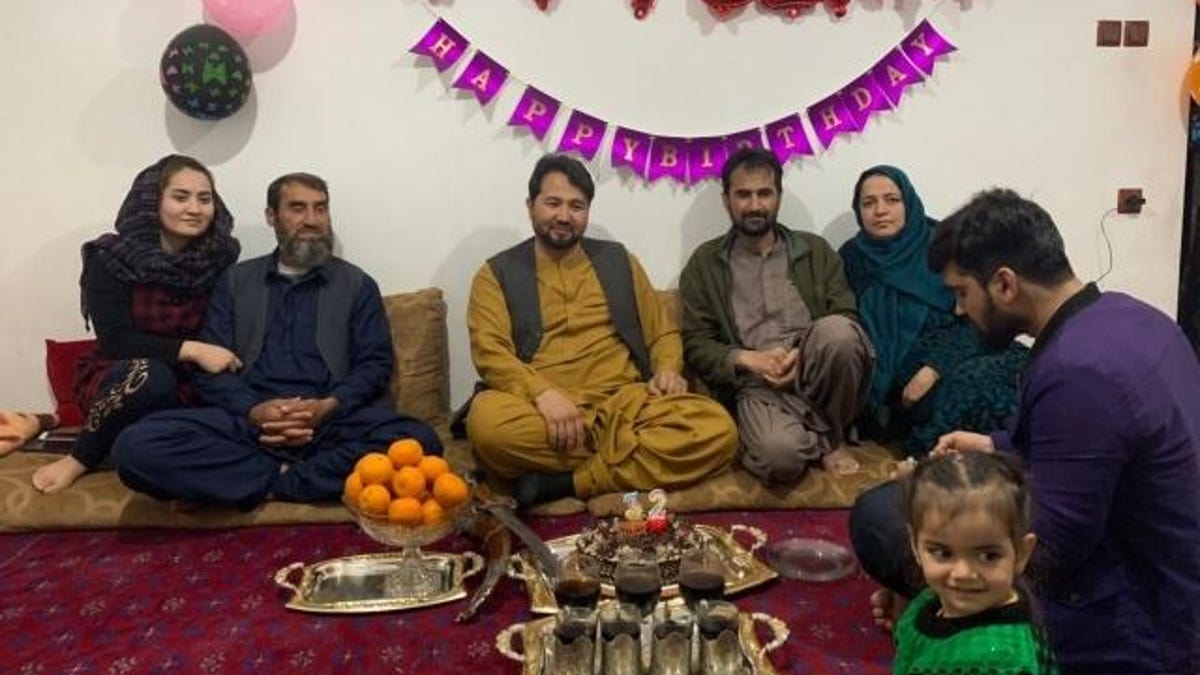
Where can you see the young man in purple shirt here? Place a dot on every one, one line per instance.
(1109, 426)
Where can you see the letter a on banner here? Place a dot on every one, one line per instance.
(482, 77)
(583, 134)
(536, 111)
(443, 44)
(895, 74)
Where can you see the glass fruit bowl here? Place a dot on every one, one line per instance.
(412, 578)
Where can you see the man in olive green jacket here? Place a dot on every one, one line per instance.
(770, 325)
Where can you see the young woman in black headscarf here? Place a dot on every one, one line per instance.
(145, 290)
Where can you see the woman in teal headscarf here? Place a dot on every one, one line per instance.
(932, 374)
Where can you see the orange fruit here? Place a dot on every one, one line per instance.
(405, 511)
(405, 452)
(433, 466)
(374, 500)
(450, 490)
(374, 469)
(353, 487)
(432, 512)
(409, 482)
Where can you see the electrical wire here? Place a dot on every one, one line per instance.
(1107, 244)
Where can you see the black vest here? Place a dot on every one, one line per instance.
(516, 271)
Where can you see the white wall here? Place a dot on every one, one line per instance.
(426, 184)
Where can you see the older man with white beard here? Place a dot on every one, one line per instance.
(313, 336)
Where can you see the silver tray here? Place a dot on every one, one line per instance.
(742, 569)
(360, 583)
(535, 637)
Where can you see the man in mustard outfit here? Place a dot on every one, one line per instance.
(581, 363)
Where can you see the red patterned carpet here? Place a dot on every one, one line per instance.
(205, 602)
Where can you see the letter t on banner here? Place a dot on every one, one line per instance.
(443, 44)
(536, 111)
(482, 77)
(787, 138)
(583, 134)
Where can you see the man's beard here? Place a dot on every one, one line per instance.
(307, 252)
(755, 224)
(998, 328)
(544, 235)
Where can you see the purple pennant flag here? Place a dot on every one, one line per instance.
(631, 148)
(895, 74)
(583, 134)
(750, 138)
(829, 117)
(443, 44)
(482, 77)
(706, 158)
(923, 45)
(668, 157)
(863, 97)
(787, 138)
(536, 111)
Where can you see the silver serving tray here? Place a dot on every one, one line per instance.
(536, 635)
(742, 569)
(360, 584)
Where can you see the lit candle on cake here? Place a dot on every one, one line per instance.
(657, 520)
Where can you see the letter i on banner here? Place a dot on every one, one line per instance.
(829, 117)
(536, 111)
(924, 45)
(668, 157)
(632, 149)
(482, 77)
(895, 74)
(863, 97)
(583, 134)
(443, 44)
(706, 158)
(787, 138)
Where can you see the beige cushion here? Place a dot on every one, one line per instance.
(419, 387)
(420, 384)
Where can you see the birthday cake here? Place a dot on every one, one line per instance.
(668, 541)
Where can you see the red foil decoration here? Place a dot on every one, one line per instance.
(723, 8)
(791, 8)
(542, 4)
(641, 8)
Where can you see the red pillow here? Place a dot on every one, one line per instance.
(62, 359)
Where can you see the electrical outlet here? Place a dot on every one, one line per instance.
(1130, 200)
(1108, 33)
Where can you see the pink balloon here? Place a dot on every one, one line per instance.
(246, 17)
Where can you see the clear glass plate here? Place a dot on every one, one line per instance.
(809, 559)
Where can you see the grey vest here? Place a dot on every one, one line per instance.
(335, 300)
(516, 271)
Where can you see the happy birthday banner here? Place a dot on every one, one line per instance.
(690, 160)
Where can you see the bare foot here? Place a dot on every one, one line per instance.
(16, 429)
(58, 475)
(886, 608)
(839, 461)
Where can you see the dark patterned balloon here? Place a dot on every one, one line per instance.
(205, 73)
